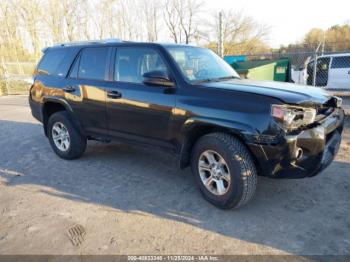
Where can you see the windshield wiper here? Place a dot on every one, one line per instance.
(227, 78)
(207, 80)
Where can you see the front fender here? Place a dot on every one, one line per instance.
(197, 126)
(235, 127)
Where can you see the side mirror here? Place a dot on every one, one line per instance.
(159, 78)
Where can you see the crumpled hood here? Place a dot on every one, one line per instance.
(286, 92)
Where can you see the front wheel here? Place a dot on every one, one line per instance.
(224, 170)
(65, 139)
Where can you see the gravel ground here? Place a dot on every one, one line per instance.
(119, 199)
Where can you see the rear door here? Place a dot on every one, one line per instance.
(86, 88)
(339, 77)
(134, 110)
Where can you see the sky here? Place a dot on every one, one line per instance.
(289, 21)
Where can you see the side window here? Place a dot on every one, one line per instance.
(56, 62)
(94, 63)
(132, 63)
(322, 64)
(341, 62)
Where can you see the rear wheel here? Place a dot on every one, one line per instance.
(224, 170)
(65, 139)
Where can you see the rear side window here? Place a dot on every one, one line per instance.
(341, 62)
(94, 63)
(56, 62)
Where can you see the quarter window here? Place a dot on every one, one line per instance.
(56, 62)
(132, 63)
(94, 63)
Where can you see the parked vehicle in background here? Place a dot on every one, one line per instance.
(332, 72)
(185, 100)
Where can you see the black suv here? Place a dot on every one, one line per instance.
(187, 101)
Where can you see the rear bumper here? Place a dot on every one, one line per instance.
(36, 109)
(305, 154)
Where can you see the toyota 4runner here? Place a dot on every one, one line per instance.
(187, 101)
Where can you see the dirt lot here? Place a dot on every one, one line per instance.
(125, 200)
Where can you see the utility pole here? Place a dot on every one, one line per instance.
(221, 37)
(323, 41)
(315, 65)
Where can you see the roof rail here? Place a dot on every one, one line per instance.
(112, 40)
(106, 41)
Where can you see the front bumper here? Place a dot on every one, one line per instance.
(305, 154)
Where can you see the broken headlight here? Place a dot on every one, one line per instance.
(293, 117)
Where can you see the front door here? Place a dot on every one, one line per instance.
(135, 110)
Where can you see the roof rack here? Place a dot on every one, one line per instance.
(105, 41)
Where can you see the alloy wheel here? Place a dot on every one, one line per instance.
(60, 136)
(214, 172)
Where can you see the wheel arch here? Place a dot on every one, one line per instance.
(52, 105)
(195, 128)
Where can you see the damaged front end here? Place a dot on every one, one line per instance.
(309, 139)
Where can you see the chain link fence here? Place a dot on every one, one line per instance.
(330, 70)
(15, 77)
(324, 64)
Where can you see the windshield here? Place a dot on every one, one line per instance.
(201, 65)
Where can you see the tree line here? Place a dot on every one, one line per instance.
(334, 39)
(29, 25)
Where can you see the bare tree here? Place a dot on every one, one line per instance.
(151, 16)
(70, 12)
(52, 14)
(130, 19)
(9, 33)
(31, 23)
(172, 20)
(181, 18)
(241, 34)
(188, 11)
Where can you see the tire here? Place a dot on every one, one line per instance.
(238, 169)
(77, 142)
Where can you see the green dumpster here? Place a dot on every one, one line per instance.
(272, 70)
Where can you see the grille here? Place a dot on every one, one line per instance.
(267, 139)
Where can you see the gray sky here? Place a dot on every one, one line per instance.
(289, 20)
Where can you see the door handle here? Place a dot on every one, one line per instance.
(114, 94)
(69, 89)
